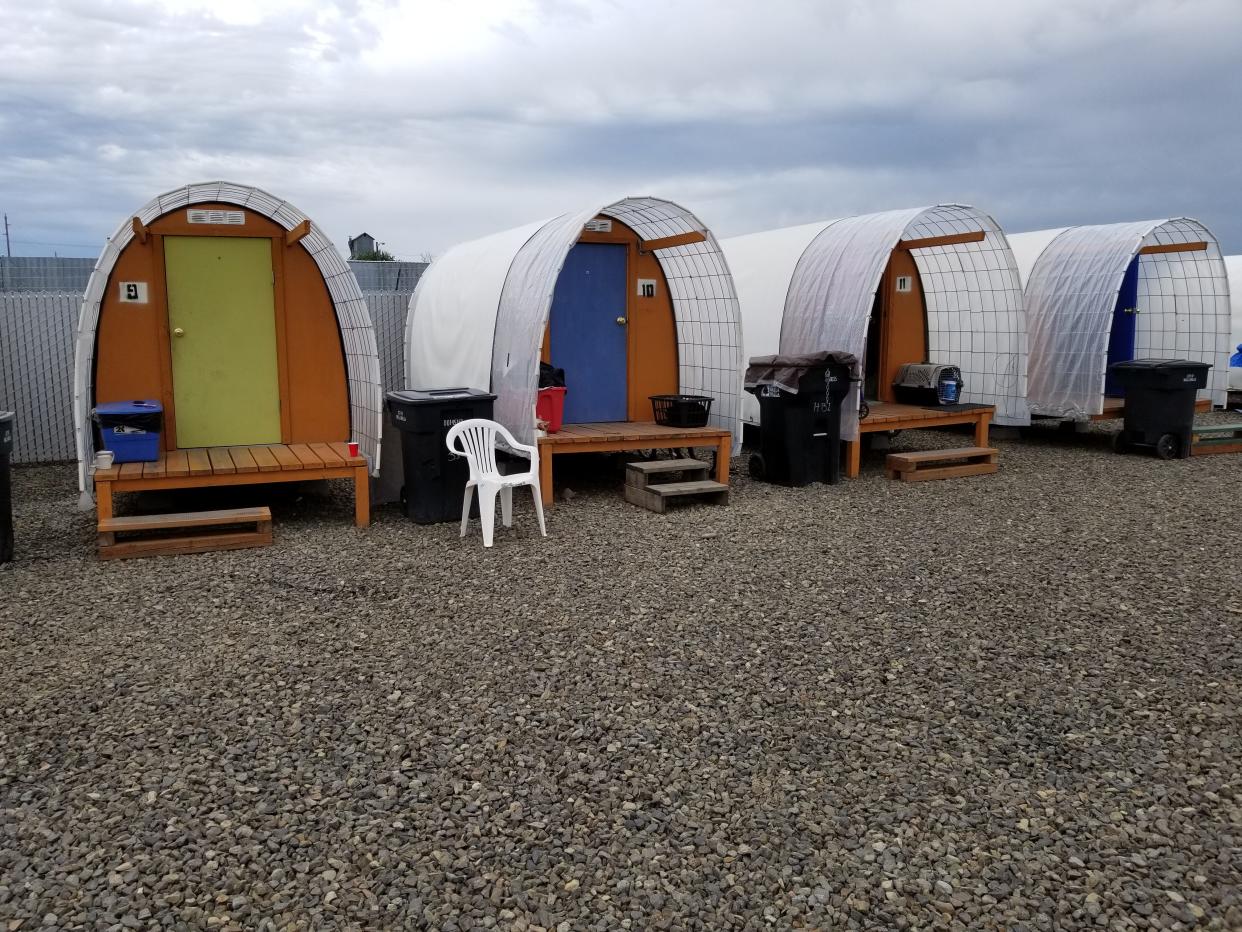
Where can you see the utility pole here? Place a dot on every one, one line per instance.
(8, 249)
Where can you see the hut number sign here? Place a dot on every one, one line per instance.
(646, 287)
(133, 292)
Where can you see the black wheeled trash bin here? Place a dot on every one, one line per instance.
(1160, 403)
(6, 488)
(435, 479)
(800, 402)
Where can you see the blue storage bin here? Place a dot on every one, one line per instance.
(130, 430)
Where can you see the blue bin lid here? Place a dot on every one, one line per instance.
(141, 406)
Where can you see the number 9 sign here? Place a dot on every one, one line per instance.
(133, 292)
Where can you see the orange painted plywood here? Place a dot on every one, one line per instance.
(903, 337)
(318, 401)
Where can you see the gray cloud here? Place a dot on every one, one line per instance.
(427, 124)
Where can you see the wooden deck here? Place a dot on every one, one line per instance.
(886, 416)
(1116, 408)
(246, 465)
(629, 435)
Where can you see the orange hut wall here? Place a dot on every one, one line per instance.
(132, 357)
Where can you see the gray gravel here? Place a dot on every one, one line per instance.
(1009, 702)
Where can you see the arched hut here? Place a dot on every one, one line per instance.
(928, 284)
(1096, 295)
(235, 311)
(631, 299)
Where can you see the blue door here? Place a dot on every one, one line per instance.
(588, 338)
(1121, 336)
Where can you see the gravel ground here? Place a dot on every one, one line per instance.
(1007, 702)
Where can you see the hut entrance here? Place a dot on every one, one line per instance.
(611, 327)
(1121, 334)
(222, 334)
(897, 333)
(588, 334)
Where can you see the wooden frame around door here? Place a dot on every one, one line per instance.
(155, 241)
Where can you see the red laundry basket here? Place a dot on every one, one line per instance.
(550, 407)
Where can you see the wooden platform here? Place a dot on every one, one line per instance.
(885, 416)
(1116, 408)
(941, 464)
(249, 465)
(629, 435)
(213, 530)
(1216, 438)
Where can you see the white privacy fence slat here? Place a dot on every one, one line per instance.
(36, 372)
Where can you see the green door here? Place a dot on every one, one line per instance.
(222, 324)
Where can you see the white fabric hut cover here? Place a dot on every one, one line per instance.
(1233, 264)
(478, 315)
(1073, 279)
(810, 288)
(352, 316)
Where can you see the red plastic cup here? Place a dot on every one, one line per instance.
(353, 448)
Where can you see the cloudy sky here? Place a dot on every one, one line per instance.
(429, 122)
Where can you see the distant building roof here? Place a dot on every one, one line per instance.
(361, 244)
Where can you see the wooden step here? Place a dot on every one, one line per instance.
(1209, 430)
(1216, 438)
(642, 473)
(941, 464)
(656, 497)
(220, 532)
(186, 519)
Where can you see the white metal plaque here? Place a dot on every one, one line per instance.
(133, 292)
(646, 287)
(232, 218)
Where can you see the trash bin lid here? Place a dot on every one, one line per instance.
(1167, 365)
(6, 417)
(433, 396)
(141, 406)
(787, 371)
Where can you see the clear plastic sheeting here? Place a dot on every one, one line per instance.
(353, 318)
(972, 293)
(1233, 265)
(451, 320)
(1072, 288)
(762, 265)
(495, 294)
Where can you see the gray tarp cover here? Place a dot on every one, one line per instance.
(786, 372)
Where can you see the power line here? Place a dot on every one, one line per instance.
(31, 242)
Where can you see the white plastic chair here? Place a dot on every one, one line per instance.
(475, 439)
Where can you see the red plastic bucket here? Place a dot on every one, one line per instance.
(551, 407)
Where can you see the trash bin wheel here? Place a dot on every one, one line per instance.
(1120, 443)
(1167, 446)
(756, 466)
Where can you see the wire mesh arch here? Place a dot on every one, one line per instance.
(705, 310)
(972, 294)
(353, 318)
(1072, 292)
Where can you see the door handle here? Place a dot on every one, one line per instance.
(178, 332)
(621, 320)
